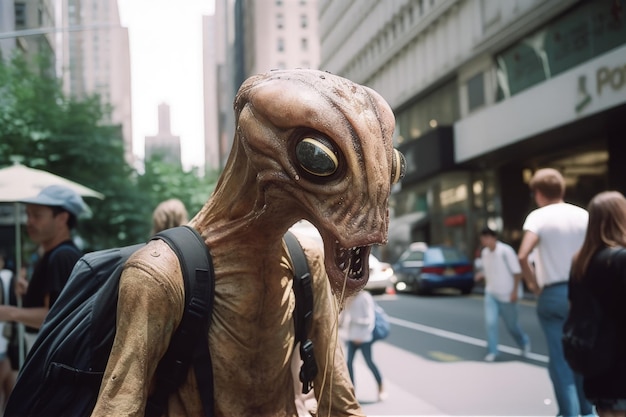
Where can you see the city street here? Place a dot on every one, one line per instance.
(432, 362)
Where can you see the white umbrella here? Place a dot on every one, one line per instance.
(18, 182)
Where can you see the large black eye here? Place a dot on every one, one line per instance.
(317, 156)
(398, 166)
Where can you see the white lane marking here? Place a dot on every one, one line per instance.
(463, 338)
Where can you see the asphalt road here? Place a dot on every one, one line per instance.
(432, 362)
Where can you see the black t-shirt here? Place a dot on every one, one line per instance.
(50, 275)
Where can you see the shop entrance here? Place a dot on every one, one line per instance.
(584, 167)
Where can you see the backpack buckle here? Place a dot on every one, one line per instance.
(308, 371)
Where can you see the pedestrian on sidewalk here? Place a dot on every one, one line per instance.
(359, 319)
(503, 288)
(51, 216)
(599, 269)
(555, 231)
(167, 214)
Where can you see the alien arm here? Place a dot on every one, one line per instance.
(149, 308)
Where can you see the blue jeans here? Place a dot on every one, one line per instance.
(366, 349)
(552, 308)
(495, 308)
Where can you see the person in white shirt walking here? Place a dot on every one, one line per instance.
(554, 232)
(359, 317)
(503, 275)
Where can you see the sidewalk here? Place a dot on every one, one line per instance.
(419, 386)
(399, 402)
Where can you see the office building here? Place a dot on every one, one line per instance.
(256, 36)
(27, 26)
(164, 144)
(94, 57)
(485, 92)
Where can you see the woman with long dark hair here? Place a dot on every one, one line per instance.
(600, 269)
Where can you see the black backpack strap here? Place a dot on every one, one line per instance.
(189, 343)
(303, 317)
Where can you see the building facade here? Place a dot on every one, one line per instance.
(252, 37)
(485, 92)
(87, 47)
(279, 34)
(210, 88)
(27, 26)
(93, 54)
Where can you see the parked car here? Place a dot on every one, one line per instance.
(423, 268)
(381, 276)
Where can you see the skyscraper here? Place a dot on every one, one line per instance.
(94, 57)
(164, 143)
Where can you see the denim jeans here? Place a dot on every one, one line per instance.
(495, 308)
(552, 308)
(366, 349)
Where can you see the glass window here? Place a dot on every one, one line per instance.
(439, 108)
(589, 30)
(444, 255)
(476, 91)
(20, 14)
(412, 255)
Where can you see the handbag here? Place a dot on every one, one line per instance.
(381, 323)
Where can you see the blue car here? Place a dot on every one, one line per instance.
(423, 268)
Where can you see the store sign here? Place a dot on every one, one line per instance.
(606, 78)
(455, 220)
(613, 78)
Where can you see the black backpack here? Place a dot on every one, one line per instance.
(64, 369)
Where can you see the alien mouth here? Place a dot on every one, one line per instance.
(353, 261)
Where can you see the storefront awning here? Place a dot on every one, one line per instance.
(400, 227)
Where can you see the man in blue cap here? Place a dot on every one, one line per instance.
(51, 216)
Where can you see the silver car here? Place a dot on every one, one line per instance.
(381, 276)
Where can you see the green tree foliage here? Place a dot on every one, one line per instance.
(42, 128)
(163, 180)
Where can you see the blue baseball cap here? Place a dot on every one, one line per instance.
(59, 196)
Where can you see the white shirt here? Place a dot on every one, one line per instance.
(561, 229)
(500, 265)
(361, 317)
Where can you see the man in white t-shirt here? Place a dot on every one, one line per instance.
(555, 232)
(502, 274)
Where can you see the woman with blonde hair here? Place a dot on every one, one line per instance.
(599, 268)
(169, 213)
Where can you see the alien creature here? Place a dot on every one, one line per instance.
(308, 145)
